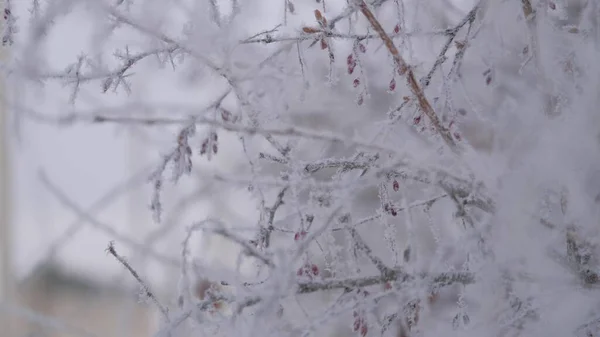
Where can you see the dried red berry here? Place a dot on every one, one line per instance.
(394, 212)
(204, 146)
(552, 5)
(323, 44)
(397, 29)
(356, 82)
(299, 235)
(318, 15)
(362, 48)
(360, 100)
(351, 63)
(396, 185)
(417, 120)
(314, 269)
(310, 30)
(364, 330)
(225, 115)
(392, 86)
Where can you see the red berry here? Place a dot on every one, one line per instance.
(417, 120)
(364, 330)
(393, 211)
(362, 48)
(323, 44)
(357, 323)
(396, 185)
(392, 84)
(299, 235)
(360, 100)
(315, 269)
(397, 29)
(204, 146)
(356, 82)
(351, 63)
(225, 115)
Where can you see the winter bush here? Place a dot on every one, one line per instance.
(377, 168)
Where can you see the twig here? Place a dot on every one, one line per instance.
(360, 244)
(579, 258)
(550, 99)
(344, 165)
(74, 227)
(248, 248)
(404, 69)
(147, 291)
(288, 131)
(329, 34)
(62, 198)
(266, 232)
(451, 33)
(440, 280)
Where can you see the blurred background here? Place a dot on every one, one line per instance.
(57, 278)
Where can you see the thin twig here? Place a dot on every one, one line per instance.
(266, 236)
(147, 291)
(107, 229)
(288, 131)
(360, 244)
(248, 248)
(440, 280)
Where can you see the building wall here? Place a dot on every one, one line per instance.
(101, 311)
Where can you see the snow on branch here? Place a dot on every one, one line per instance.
(294, 134)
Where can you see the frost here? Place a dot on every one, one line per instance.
(371, 168)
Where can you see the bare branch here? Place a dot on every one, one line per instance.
(404, 69)
(147, 291)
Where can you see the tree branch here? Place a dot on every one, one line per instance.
(413, 84)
